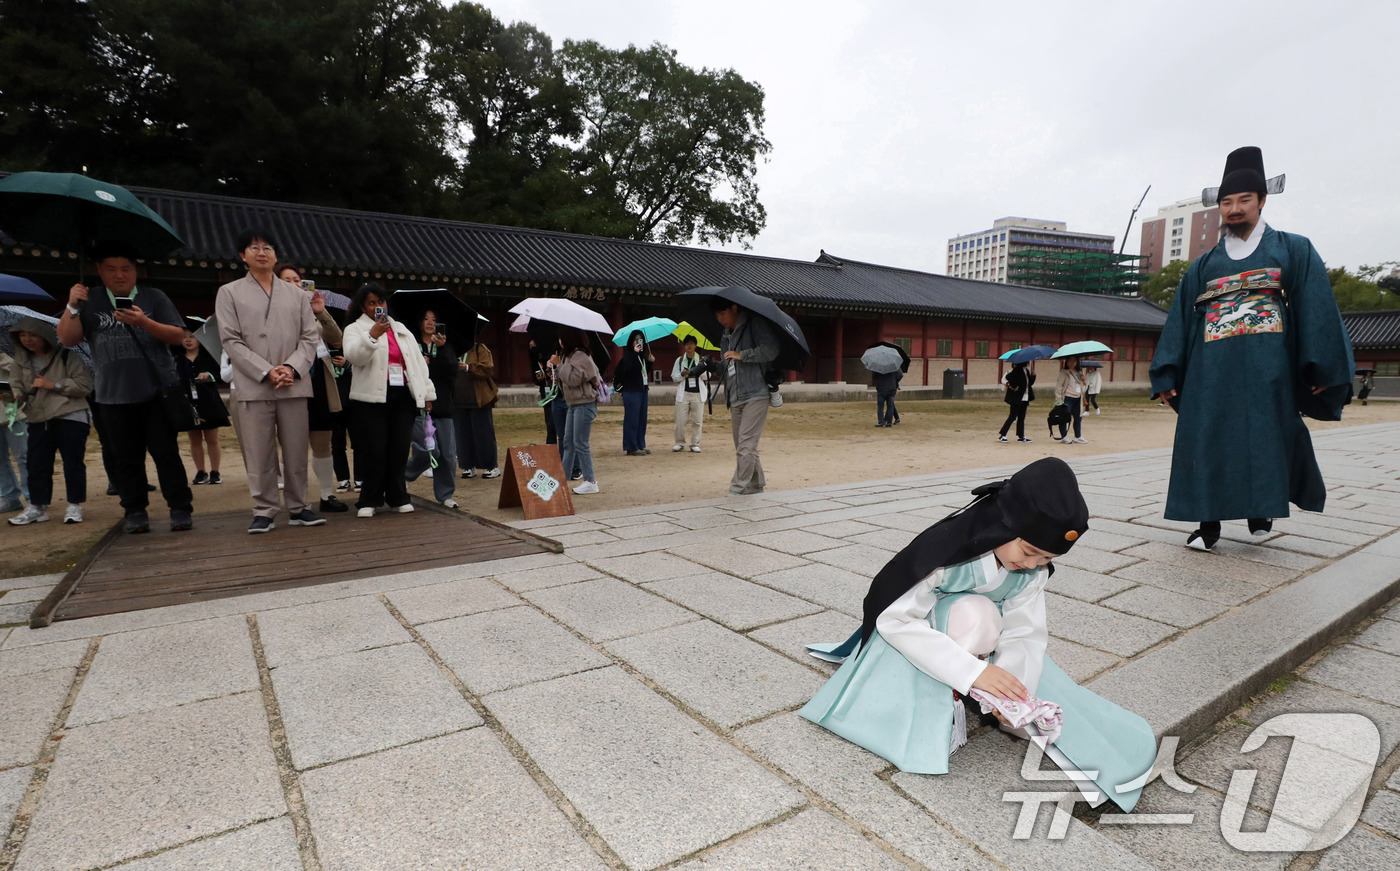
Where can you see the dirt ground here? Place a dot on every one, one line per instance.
(804, 444)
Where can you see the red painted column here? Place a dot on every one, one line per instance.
(840, 350)
(923, 344)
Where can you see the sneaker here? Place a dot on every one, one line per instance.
(137, 522)
(342, 486)
(1069, 440)
(428, 473)
(74, 514)
(469, 473)
(676, 449)
(1081, 441)
(200, 477)
(358, 485)
(180, 521)
(261, 525)
(644, 451)
(775, 399)
(306, 517)
(695, 449)
(406, 508)
(281, 485)
(1260, 527)
(576, 476)
(494, 473)
(32, 514)
(367, 511)
(634, 453)
(586, 488)
(8, 505)
(1022, 439)
(332, 505)
(112, 490)
(449, 503)
(1003, 439)
(1098, 411)
(879, 426)
(1203, 538)
(215, 477)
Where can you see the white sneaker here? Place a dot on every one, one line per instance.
(1069, 440)
(1098, 411)
(494, 473)
(428, 473)
(35, 514)
(695, 449)
(449, 503)
(74, 514)
(1081, 441)
(365, 512)
(677, 448)
(586, 488)
(406, 508)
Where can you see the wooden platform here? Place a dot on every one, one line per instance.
(218, 558)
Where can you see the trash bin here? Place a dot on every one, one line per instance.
(953, 381)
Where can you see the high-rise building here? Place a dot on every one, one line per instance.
(1042, 254)
(1182, 231)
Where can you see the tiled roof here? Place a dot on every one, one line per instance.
(329, 238)
(1373, 331)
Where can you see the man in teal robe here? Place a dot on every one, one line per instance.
(1253, 341)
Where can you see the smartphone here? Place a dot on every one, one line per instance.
(122, 302)
(4, 387)
(441, 329)
(381, 313)
(308, 284)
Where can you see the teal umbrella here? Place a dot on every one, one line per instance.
(70, 212)
(1081, 349)
(651, 328)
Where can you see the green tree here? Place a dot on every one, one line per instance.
(1356, 294)
(677, 148)
(1161, 286)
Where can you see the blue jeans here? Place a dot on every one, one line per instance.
(1073, 404)
(14, 440)
(559, 409)
(578, 429)
(884, 408)
(445, 475)
(634, 419)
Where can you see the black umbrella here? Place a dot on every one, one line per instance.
(695, 308)
(903, 354)
(407, 306)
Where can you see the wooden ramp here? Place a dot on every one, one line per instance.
(218, 558)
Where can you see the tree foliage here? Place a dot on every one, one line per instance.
(408, 106)
(1356, 294)
(1160, 288)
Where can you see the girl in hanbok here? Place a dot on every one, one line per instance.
(962, 610)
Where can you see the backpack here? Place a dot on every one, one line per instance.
(1059, 416)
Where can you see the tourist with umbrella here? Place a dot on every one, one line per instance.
(691, 374)
(757, 341)
(579, 381)
(632, 377)
(1093, 383)
(1019, 392)
(887, 362)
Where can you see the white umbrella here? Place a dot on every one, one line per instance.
(564, 312)
(521, 324)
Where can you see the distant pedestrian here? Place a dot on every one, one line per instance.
(51, 384)
(631, 378)
(1069, 392)
(14, 474)
(886, 385)
(442, 363)
(129, 329)
(691, 393)
(199, 375)
(544, 381)
(475, 396)
(1019, 395)
(1093, 383)
(1368, 383)
(578, 379)
(748, 345)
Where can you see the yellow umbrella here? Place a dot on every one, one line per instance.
(685, 329)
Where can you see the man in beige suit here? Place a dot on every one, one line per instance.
(269, 333)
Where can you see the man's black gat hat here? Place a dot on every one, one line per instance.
(1244, 171)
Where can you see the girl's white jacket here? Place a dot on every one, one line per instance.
(369, 358)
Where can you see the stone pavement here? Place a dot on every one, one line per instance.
(631, 702)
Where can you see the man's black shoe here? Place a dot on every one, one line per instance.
(261, 525)
(137, 522)
(305, 517)
(200, 477)
(1205, 537)
(180, 521)
(1260, 527)
(332, 505)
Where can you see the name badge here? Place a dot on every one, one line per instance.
(692, 383)
(396, 378)
(322, 351)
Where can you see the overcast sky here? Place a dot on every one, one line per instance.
(897, 124)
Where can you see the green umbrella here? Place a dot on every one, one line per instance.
(71, 212)
(650, 328)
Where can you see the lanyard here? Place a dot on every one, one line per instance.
(113, 297)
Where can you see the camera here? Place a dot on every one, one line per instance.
(706, 365)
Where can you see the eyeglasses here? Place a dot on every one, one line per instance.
(261, 249)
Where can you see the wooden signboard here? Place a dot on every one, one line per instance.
(534, 479)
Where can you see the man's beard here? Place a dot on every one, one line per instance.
(1240, 228)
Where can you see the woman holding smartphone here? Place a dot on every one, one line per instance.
(389, 387)
(325, 397)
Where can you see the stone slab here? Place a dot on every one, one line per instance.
(269, 846)
(1201, 677)
(1085, 586)
(812, 839)
(841, 528)
(21, 597)
(356, 703)
(551, 576)
(644, 567)
(1098, 627)
(722, 675)
(1091, 560)
(1383, 812)
(628, 531)
(862, 559)
(165, 666)
(460, 801)
(15, 614)
(583, 539)
(791, 638)
(606, 608)
(651, 781)
(1361, 671)
(1287, 559)
(154, 780)
(1079, 662)
(1360, 850)
(501, 649)
(1189, 582)
(793, 541)
(454, 599)
(27, 660)
(737, 557)
(734, 602)
(1383, 635)
(1214, 564)
(326, 629)
(13, 784)
(1305, 697)
(826, 585)
(1314, 546)
(1164, 606)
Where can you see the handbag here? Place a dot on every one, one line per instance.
(174, 402)
(604, 392)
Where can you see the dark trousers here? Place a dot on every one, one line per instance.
(1075, 411)
(340, 458)
(66, 437)
(476, 438)
(106, 444)
(1018, 416)
(551, 435)
(884, 408)
(383, 433)
(559, 410)
(634, 419)
(1093, 400)
(133, 430)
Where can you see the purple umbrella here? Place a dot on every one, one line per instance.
(16, 289)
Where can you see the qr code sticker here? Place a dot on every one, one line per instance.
(542, 485)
